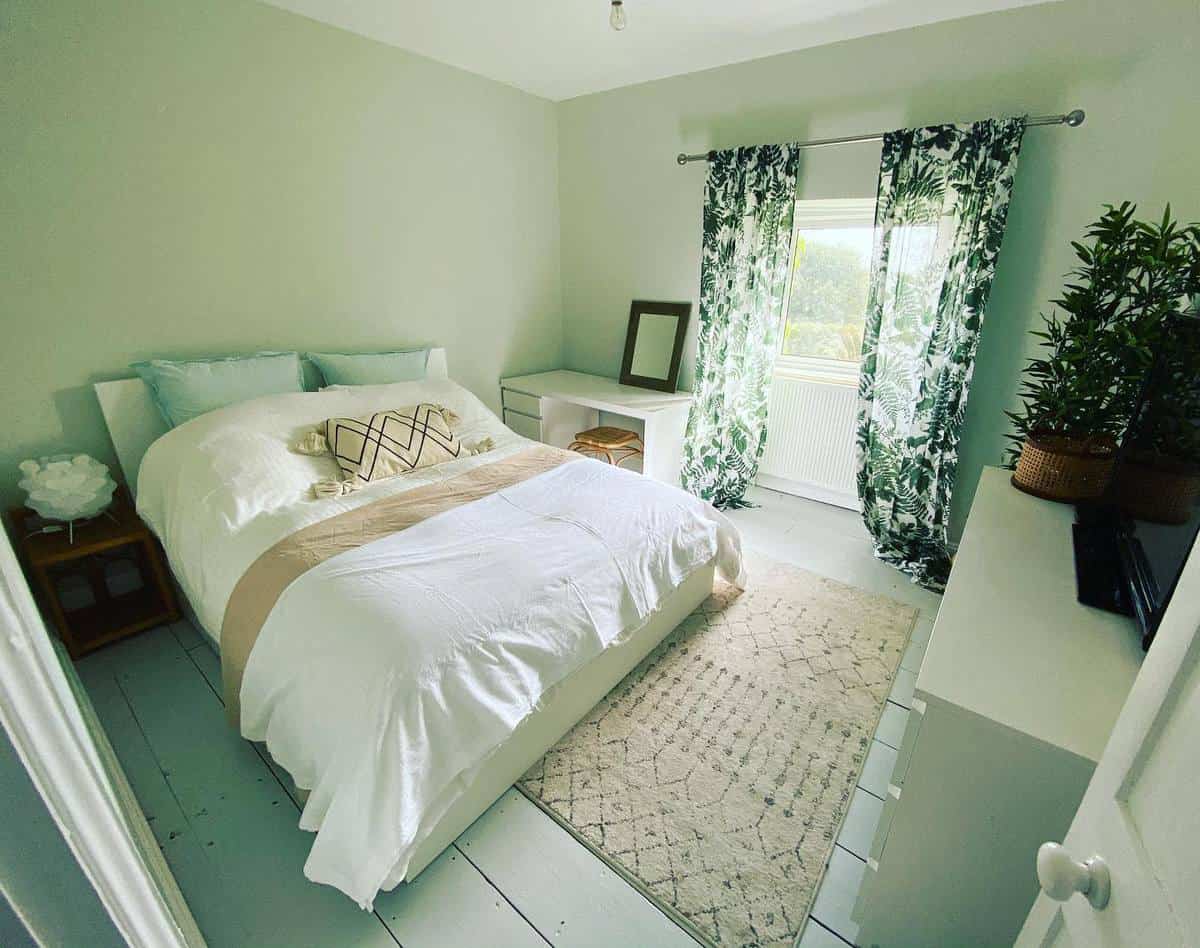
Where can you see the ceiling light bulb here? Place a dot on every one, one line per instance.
(616, 18)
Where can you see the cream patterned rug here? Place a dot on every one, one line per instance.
(715, 776)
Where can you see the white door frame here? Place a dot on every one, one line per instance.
(50, 733)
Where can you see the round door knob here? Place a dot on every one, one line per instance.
(1061, 875)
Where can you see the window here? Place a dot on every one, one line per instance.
(827, 299)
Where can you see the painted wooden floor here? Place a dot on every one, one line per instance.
(227, 823)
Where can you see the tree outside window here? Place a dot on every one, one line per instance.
(823, 321)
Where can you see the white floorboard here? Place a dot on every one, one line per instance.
(817, 935)
(227, 818)
(892, 725)
(572, 897)
(904, 686)
(833, 542)
(924, 627)
(835, 900)
(186, 634)
(447, 905)
(913, 656)
(858, 829)
(205, 659)
(877, 771)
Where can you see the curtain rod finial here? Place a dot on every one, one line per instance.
(681, 158)
(1074, 118)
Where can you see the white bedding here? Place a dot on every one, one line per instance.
(385, 676)
(223, 488)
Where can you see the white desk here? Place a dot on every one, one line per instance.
(552, 407)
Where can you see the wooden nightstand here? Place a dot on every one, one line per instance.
(99, 544)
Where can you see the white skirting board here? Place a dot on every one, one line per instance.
(816, 492)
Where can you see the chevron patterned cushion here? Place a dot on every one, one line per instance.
(391, 442)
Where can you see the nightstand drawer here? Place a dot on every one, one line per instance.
(519, 401)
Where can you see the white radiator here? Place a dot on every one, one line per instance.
(810, 440)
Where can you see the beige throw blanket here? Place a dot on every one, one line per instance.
(263, 583)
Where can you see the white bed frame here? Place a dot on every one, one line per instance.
(134, 423)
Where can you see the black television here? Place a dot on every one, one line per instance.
(1131, 545)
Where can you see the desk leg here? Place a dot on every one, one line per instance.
(664, 444)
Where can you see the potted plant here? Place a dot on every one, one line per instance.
(1077, 398)
(1159, 477)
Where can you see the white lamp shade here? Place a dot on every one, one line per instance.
(66, 487)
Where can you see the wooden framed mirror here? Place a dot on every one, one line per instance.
(654, 344)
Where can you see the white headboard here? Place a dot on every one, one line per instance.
(134, 421)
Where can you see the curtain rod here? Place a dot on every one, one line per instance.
(1073, 119)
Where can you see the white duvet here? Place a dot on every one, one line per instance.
(386, 676)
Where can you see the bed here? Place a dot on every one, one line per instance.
(405, 683)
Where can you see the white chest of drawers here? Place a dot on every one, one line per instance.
(1015, 700)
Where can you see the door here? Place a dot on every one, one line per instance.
(51, 725)
(1141, 811)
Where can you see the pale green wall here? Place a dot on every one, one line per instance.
(631, 217)
(184, 178)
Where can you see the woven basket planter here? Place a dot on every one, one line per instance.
(1063, 468)
(1161, 491)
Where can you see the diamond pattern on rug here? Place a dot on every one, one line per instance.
(718, 771)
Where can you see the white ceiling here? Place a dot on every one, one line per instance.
(563, 48)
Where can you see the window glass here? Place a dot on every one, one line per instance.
(831, 265)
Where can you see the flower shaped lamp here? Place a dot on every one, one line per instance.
(66, 487)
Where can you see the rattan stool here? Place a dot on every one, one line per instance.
(617, 445)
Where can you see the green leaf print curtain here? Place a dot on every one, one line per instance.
(939, 219)
(749, 202)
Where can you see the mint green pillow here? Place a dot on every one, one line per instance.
(371, 368)
(183, 390)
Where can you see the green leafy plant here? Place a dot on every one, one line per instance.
(1168, 434)
(1114, 315)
